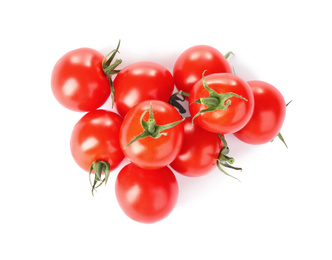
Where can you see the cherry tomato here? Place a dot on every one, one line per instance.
(225, 107)
(96, 137)
(139, 82)
(268, 116)
(149, 152)
(78, 81)
(146, 196)
(199, 153)
(190, 65)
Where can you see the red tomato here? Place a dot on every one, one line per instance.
(139, 82)
(190, 65)
(78, 81)
(148, 152)
(199, 152)
(231, 113)
(146, 196)
(268, 117)
(96, 137)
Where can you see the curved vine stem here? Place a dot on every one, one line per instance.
(224, 160)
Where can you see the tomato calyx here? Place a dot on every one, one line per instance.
(151, 128)
(109, 68)
(175, 100)
(99, 167)
(215, 101)
(224, 160)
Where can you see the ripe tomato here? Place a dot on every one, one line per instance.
(190, 65)
(268, 116)
(221, 103)
(146, 196)
(199, 152)
(149, 152)
(78, 81)
(139, 82)
(96, 137)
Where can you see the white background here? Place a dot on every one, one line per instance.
(280, 210)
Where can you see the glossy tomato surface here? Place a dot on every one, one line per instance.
(78, 81)
(146, 196)
(141, 81)
(235, 116)
(96, 137)
(148, 152)
(190, 65)
(199, 153)
(268, 116)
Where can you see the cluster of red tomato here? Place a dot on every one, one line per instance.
(146, 125)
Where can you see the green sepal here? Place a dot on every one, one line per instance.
(109, 68)
(150, 127)
(282, 139)
(215, 101)
(108, 60)
(99, 167)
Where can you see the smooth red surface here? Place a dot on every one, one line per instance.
(96, 137)
(191, 64)
(199, 153)
(139, 82)
(229, 120)
(150, 153)
(268, 116)
(146, 196)
(78, 81)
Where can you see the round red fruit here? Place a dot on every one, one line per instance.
(146, 196)
(268, 116)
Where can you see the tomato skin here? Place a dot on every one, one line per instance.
(268, 116)
(96, 137)
(150, 153)
(141, 81)
(146, 196)
(235, 116)
(190, 65)
(199, 153)
(78, 81)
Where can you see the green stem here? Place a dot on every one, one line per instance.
(226, 161)
(151, 124)
(210, 101)
(228, 54)
(215, 101)
(150, 127)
